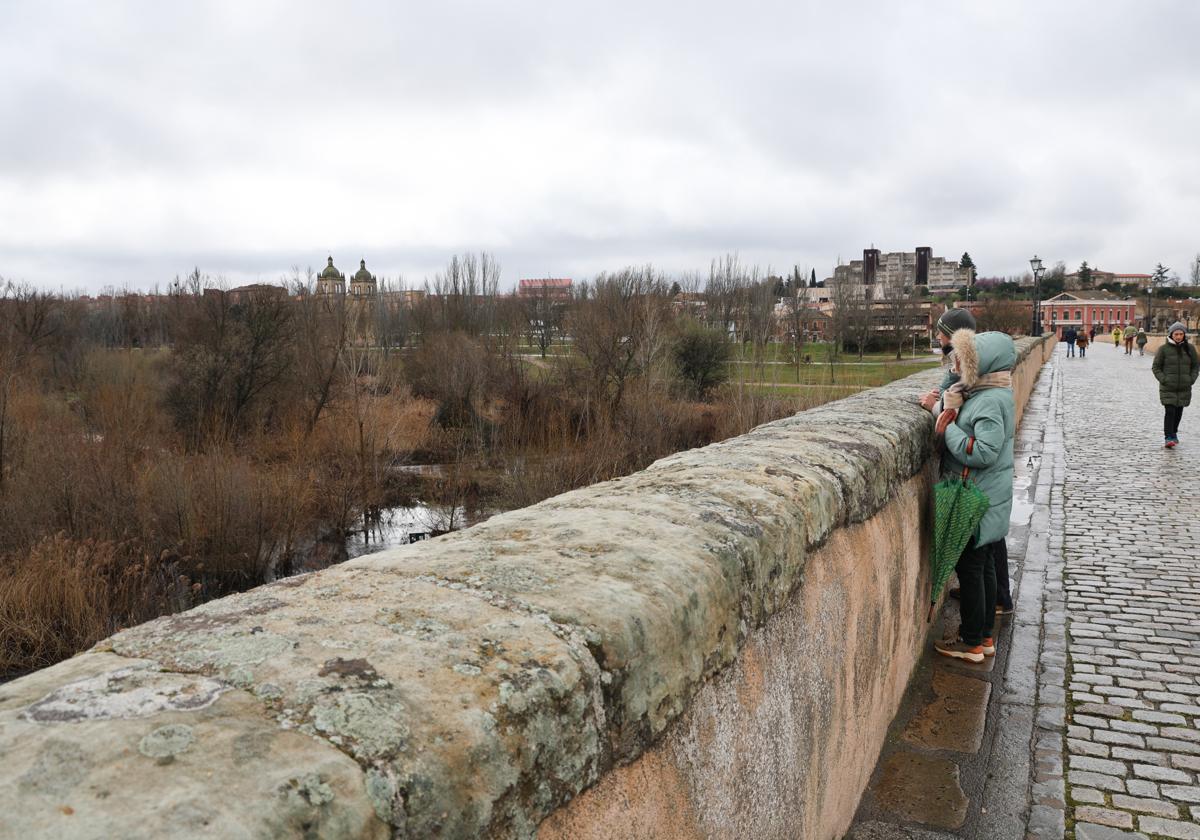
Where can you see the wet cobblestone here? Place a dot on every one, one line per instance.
(1131, 582)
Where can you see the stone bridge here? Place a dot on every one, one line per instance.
(713, 647)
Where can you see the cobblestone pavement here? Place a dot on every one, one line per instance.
(1130, 514)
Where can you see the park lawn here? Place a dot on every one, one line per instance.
(867, 375)
(804, 396)
(818, 351)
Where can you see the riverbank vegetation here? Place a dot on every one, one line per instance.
(157, 451)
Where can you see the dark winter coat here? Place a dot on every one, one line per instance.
(1176, 367)
(1069, 336)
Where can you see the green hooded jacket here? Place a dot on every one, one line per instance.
(981, 437)
(1176, 368)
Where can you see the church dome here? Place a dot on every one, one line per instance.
(362, 275)
(330, 272)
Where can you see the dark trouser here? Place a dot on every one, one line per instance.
(1174, 413)
(1082, 349)
(1129, 347)
(977, 583)
(1000, 558)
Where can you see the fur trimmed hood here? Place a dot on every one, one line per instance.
(981, 354)
(963, 342)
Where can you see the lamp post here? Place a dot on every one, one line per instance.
(1038, 271)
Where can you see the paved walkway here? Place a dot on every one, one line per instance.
(1131, 574)
(1088, 727)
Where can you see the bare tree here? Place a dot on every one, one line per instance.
(759, 309)
(321, 337)
(392, 313)
(723, 293)
(463, 296)
(795, 318)
(542, 313)
(227, 356)
(853, 315)
(1004, 315)
(609, 326)
(901, 309)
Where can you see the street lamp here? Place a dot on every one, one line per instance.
(1038, 271)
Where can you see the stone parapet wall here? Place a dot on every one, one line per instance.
(712, 647)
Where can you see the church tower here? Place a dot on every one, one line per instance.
(363, 284)
(331, 281)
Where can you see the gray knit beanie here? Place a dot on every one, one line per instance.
(955, 319)
(1177, 326)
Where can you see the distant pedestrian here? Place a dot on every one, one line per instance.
(1069, 336)
(1092, 334)
(977, 425)
(1142, 338)
(1081, 341)
(1116, 336)
(1176, 367)
(1130, 332)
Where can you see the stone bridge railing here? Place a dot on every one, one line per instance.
(713, 647)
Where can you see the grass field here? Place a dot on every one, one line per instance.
(864, 375)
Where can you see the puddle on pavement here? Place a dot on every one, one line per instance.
(1022, 503)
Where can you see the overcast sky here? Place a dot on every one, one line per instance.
(140, 139)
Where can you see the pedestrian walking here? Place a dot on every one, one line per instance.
(977, 424)
(1176, 367)
(1142, 338)
(1130, 332)
(1092, 334)
(1116, 336)
(1082, 342)
(1069, 336)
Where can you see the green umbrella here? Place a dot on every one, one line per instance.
(958, 506)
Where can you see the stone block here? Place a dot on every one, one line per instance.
(922, 789)
(955, 719)
(1169, 828)
(1103, 816)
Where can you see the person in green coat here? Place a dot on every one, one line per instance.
(1142, 339)
(977, 424)
(1176, 368)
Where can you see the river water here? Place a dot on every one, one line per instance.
(399, 526)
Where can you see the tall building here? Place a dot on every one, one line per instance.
(880, 274)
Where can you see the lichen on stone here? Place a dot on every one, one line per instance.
(131, 692)
(167, 741)
(374, 724)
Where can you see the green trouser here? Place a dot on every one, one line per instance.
(977, 585)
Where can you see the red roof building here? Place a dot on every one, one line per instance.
(1103, 313)
(555, 288)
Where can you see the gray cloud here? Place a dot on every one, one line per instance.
(138, 139)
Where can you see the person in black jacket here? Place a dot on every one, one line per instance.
(1176, 367)
(1069, 336)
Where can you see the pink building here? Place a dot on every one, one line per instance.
(554, 288)
(1068, 310)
